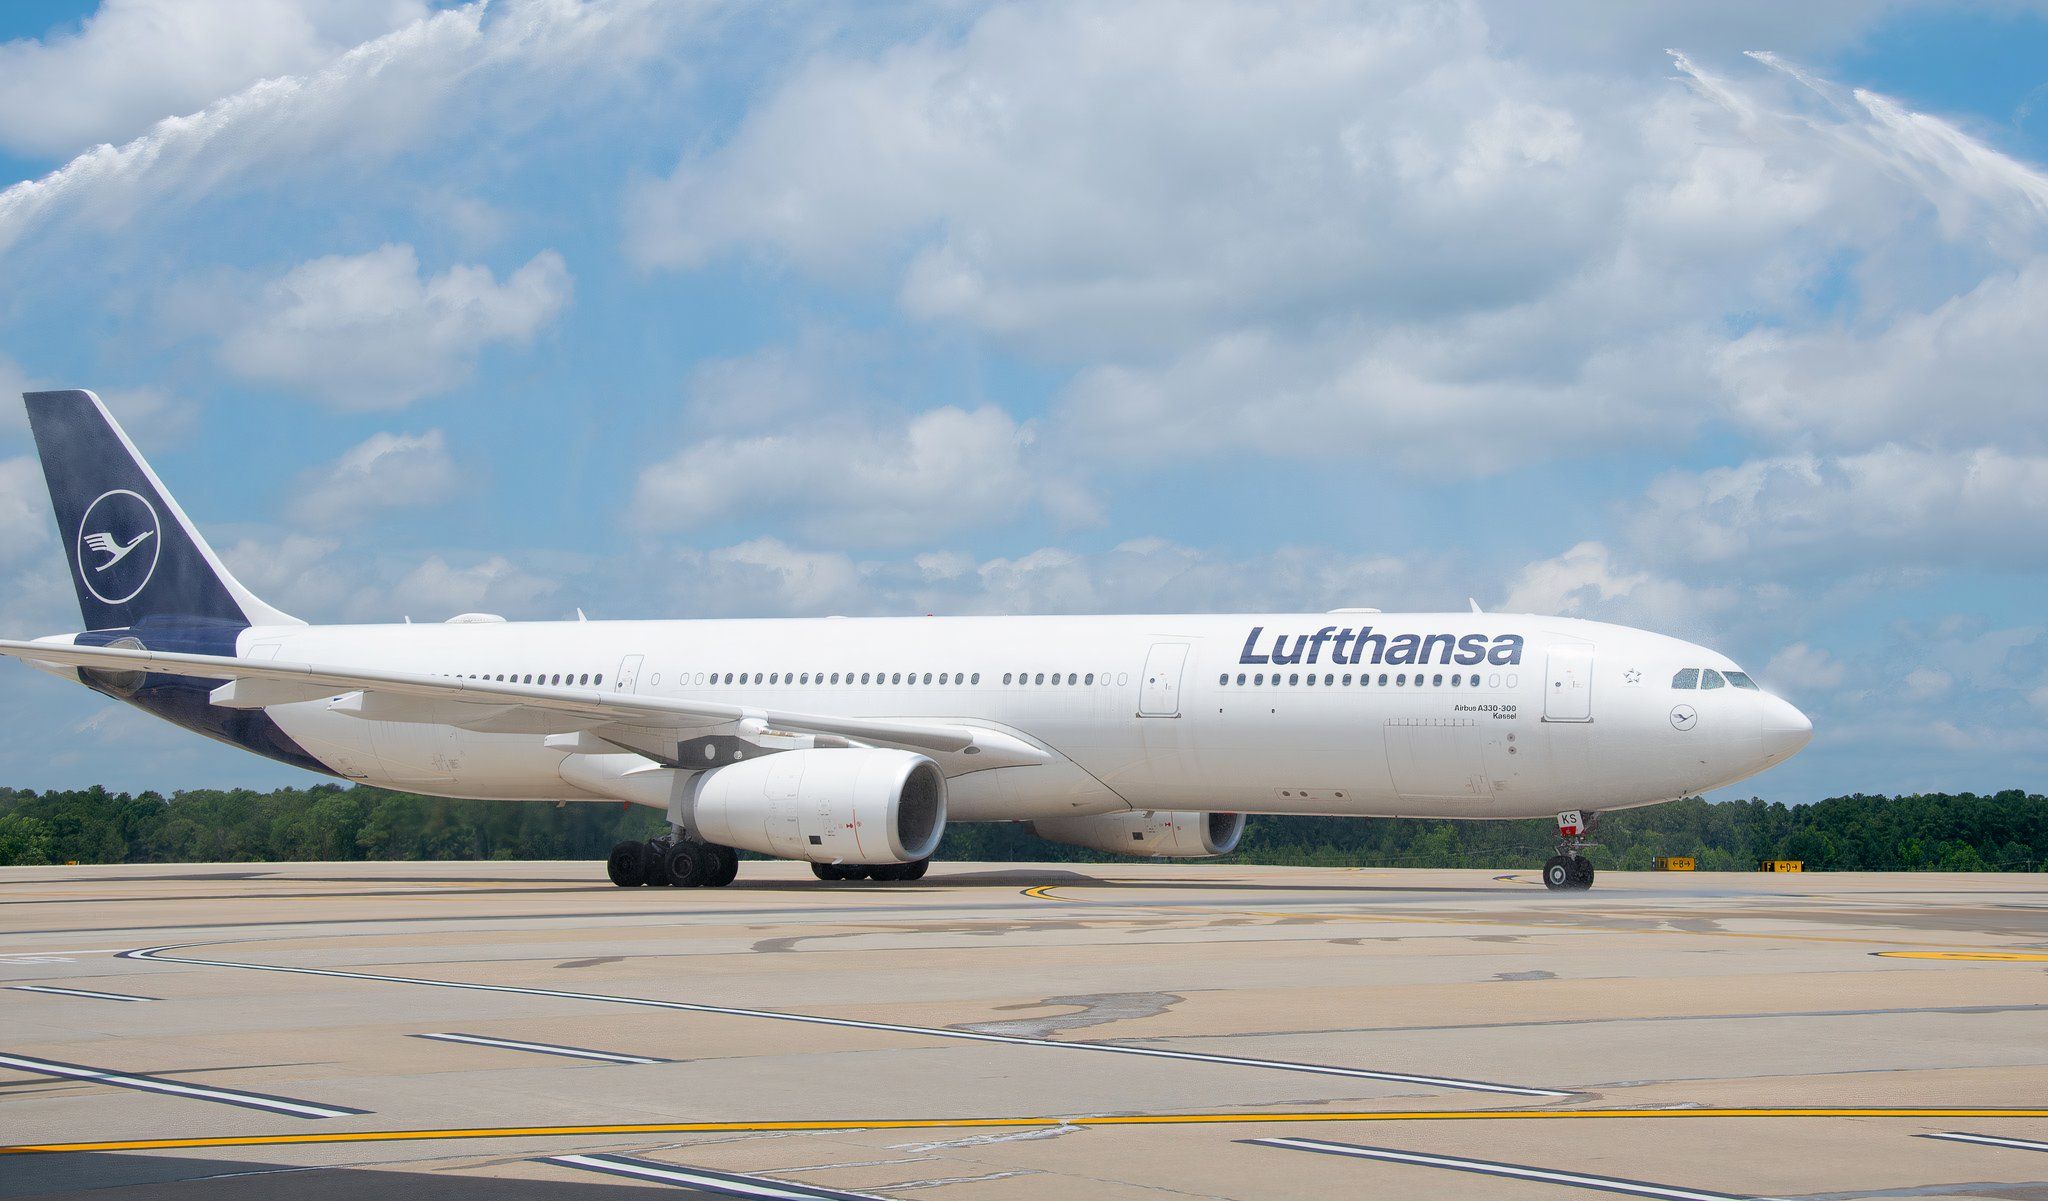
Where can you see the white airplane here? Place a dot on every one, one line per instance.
(850, 743)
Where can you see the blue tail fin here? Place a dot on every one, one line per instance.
(134, 553)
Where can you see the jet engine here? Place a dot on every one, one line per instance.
(1150, 833)
(852, 805)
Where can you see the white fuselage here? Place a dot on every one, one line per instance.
(1511, 716)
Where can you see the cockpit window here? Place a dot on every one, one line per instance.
(1742, 680)
(1687, 678)
(1711, 679)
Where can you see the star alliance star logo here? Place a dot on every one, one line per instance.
(1631, 676)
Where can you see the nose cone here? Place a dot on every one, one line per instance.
(1784, 729)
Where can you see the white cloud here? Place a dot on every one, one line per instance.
(944, 470)
(25, 522)
(1587, 581)
(369, 331)
(298, 573)
(1927, 683)
(436, 590)
(1976, 359)
(134, 61)
(1800, 667)
(1888, 507)
(431, 81)
(383, 472)
(1433, 231)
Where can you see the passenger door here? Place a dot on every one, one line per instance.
(1568, 689)
(1159, 693)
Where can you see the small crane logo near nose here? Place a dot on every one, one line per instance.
(1684, 717)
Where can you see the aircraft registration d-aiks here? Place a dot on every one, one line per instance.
(850, 743)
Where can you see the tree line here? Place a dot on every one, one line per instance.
(1964, 832)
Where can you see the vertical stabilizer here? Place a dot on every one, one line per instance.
(133, 552)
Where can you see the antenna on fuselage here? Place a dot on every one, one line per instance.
(1474, 604)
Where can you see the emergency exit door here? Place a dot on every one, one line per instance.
(1568, 688)
(1159, 694)
(628, 677)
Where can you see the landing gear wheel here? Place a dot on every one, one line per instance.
(686, 865)
(1581, 872)
(1557, 873)
(831, 873)
(725, 869)
(652, 873)
(915, 871)
(627, 865)
(887, 873)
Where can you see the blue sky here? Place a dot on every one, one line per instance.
(1723, 322)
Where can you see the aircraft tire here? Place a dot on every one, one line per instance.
(915, 871)
(725, 869)
(1581, 872)
(627, 865)
(828, 872)
(686, 864)
(1557, 873)
(654, 872)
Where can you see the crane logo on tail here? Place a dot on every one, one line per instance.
(115, 552)
(119, 542)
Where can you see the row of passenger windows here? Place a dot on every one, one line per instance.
(571, 679)
(1707, 677)
(1365, 680)
(837, 677)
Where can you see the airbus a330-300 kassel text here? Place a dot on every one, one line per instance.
(850, 743)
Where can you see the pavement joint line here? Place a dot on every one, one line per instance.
(1550, 927)
(159, 955)
(724, 1184)
(153, 1084)
(1512, 1171)
(88, 993)
(511, 1044)
(1990, 1140)
(1253, 1118)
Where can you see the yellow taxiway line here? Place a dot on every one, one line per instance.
(1149, 1119)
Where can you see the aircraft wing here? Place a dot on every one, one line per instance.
(627, 720)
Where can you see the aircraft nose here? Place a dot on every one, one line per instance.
(1785, 730)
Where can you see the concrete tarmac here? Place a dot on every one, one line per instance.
(515, 1030)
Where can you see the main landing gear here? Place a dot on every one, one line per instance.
(1569, 869)
(871, 871)
(672, 861)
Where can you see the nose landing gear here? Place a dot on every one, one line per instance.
(1569, 869)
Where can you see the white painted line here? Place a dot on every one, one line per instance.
(77, 992)
(1485, 1167)
(86, 951)
(151, 1084)
(724, 1184)
(1991, 1140)
(160, 955)
(542, 1048)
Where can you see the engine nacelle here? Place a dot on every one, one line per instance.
(1149, 833)
(853, 805)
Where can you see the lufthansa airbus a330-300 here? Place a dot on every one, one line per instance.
(850, 743)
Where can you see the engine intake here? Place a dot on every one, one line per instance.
(1148, 833)
(860, 805)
